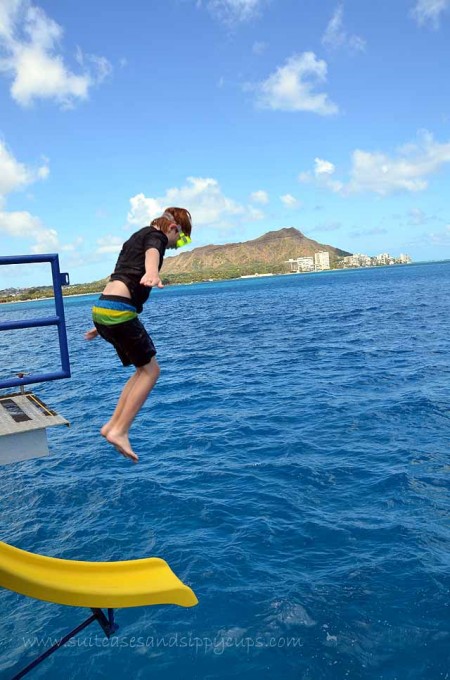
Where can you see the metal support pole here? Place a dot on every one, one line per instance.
(58, 280)
(108, 626)
(56, 646)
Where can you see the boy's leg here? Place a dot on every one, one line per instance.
(120, 404)
(136, 392)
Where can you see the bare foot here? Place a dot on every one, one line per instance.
(122, 444)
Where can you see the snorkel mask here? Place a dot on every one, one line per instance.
(183, 240)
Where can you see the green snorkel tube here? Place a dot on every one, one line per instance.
(183, 240)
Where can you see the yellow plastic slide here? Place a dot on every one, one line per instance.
(132, 583)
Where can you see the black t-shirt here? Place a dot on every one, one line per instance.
(130, 266)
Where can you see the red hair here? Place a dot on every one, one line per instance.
(162, 223)
(180, 216)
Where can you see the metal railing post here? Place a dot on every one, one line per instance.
(58, 320)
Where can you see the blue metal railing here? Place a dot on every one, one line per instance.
(59, 279)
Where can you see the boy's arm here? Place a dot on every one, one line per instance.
(151, 276)
(91, 334)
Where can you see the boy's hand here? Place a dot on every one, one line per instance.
(151, 280)
(90, 335)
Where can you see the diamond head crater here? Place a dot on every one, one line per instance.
(266, 254)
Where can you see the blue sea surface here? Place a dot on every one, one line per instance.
(293, 471)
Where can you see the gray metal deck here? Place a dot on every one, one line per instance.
(24, 419)
(24, 412)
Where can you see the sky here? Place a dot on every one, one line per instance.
(330, 117)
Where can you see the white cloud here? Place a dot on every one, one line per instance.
(15, 175)
(323, 167)
(326, 226)
(407, 171)
(379, 173)
(259, 47)
(375, 231)
(47, 241)
(416, 216)
(336, 36)
(21, 224)
(24, 226)
(29, 45)
(109, 244)
(43, 171)
(143, 210)
(101, 66)
(429, 11)
(259, 197)
(292, 87)
(322, 175)
(440, 238)
(204, 199)
(290, 201)
(233, 11)
(71, 247)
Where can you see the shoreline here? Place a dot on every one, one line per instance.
(243, 277)
(51, 297)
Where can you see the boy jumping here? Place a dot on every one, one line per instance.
(116, 319)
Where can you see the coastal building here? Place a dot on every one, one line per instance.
(362, 260)
(357, 260)
(384, 258)
(321, 261)
(301, 264)
(305, 264)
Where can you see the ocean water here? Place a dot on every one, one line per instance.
(293, 471)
